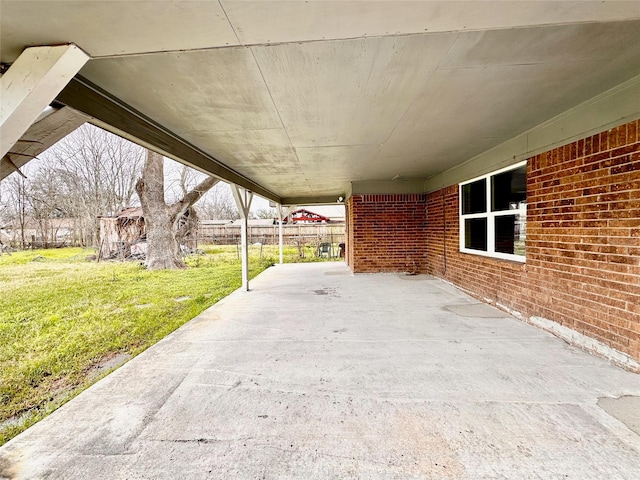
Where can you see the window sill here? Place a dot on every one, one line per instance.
(496, 256)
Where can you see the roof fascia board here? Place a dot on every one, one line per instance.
(307, 201)
(41, 135)
(121, 118)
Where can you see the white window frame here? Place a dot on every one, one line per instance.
(490, 216)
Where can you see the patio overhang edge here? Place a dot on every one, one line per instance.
(313, 200)
(116, 116)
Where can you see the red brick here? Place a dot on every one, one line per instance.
(583, 241)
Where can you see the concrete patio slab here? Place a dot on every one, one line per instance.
(317, 374)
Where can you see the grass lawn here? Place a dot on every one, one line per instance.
(64, 320)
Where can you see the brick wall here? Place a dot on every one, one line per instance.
(583, 241)
(347, 232)
(386, 233)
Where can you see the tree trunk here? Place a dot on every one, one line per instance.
(161, 220)
(163, 251)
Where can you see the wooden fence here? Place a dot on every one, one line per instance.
(300, 234)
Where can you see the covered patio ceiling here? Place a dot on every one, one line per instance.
(298, 100)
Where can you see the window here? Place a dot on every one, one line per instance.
(493, 214)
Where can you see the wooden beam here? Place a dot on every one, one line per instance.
(31, 84)
(40, 136)
(124, 120)
(12, 167)
(324, 200)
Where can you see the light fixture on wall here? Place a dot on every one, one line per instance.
(340, 199)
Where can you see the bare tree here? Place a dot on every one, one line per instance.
(45, 196)
(162, 220)
(266, 213)
(219, 204)
(15, 205)
(97, 172)
(92, 173)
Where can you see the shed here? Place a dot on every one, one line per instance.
(125, 235)
(120, 232)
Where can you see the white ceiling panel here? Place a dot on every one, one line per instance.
(264, 155)
(302, 98)
(189, 92)
(547, 45)
(350, 92)
(258, 22)
(489, 101)
(107, 28)
(346, 163)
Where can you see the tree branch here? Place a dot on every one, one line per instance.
(193, 196)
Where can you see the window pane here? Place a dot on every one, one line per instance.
(474, 197)
(475, 233)
(508, 189)
(510, 234)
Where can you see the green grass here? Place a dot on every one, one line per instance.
(61, 316)
(291, 254)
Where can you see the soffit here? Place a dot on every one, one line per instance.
(306, 97)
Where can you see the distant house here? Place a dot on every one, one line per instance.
(43, 232)
(302, 215)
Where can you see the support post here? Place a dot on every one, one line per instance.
(31, 84)
(243, 199)
(280, 217)
(282, 213)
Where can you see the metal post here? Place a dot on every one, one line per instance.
(244, 247)
(243, 199)
(282, 213)
(280, 248)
